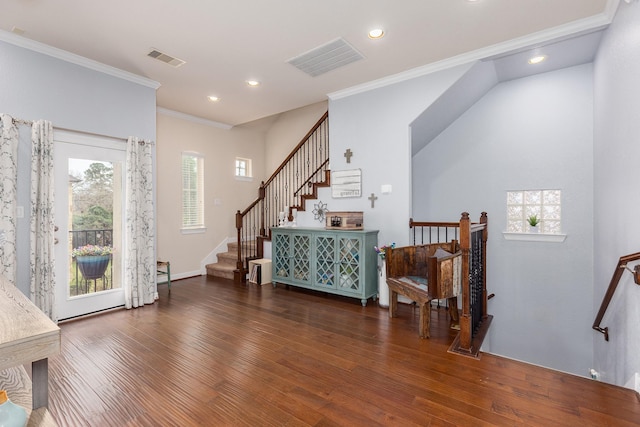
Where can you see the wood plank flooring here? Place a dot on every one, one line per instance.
(213, 353)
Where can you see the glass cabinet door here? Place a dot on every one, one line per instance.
(281, 257)
(301, 245)
(325, 261)
(349, 250)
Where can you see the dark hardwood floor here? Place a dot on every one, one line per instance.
(213, 353)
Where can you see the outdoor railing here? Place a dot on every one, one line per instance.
(79, 285)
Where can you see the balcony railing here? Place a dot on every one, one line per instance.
(79, 285)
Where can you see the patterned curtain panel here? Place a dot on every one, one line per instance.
(42, 219)
(140, 264)
(8, 196)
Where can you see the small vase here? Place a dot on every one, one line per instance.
(11, 415)
(534, 229)
(383, 288)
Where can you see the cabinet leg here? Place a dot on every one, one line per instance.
(364, 302)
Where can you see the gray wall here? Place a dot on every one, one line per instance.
(616, 207)
(530, 133)
(375, 126)
(38, 86)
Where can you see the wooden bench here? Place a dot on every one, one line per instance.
(423, 273)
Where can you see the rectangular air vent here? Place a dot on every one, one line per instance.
(335, 54)
(168, 59)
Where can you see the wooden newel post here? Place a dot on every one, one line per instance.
(261, 196)
(465, 247)
(239, 228)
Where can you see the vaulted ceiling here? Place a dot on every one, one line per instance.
(226, 43)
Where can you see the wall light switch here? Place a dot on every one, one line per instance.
(20, 212)
(217, 202)
(385, 189)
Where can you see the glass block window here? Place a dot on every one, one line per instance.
(545, 204)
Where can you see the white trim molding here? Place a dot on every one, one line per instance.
(190, 118)
(54, 52)
(570, 29)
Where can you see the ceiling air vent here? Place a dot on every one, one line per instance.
(168, 59)
(335, 54)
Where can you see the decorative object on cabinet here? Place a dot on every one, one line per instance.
(319, 211)
(333, 261)
(345, 220)
(346, 183)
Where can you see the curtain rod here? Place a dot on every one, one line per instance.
(30, 123)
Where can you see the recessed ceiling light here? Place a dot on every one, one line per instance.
(253, 83)
(537, 59)
(213, 98)
(376, 33)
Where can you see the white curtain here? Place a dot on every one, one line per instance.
(140, 263)
(8, 196)
(42, 219)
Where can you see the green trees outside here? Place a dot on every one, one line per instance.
(93, 198)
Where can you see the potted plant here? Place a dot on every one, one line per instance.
(92, 260)
(533, 223)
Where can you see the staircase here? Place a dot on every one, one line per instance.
(226, 264)
(294, 182)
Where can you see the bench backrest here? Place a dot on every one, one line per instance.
(420, 260)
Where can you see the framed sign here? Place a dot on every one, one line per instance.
(346, 183)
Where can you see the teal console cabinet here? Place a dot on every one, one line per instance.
(334, 261)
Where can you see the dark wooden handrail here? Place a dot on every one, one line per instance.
(611, 290)
(293, 182)
(315, 127)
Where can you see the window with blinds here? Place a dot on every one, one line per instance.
(192, 191)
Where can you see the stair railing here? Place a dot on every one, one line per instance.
(474, 319)
(294, 181)
(613, 285)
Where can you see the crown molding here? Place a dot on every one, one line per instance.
(582, 26)
(194, 119)
(54, 52)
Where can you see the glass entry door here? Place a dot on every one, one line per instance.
(89, 180)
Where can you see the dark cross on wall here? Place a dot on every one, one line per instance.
(348, 155)
(373, 199)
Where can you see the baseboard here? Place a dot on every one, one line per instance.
(182, 276)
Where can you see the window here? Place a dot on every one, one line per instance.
(243, 167)
(192, 191)
(545, 204)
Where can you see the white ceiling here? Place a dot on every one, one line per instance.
(227, 42)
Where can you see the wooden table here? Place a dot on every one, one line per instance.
(26, 336)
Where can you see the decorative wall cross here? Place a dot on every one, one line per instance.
(348, 155)
(373, 199)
